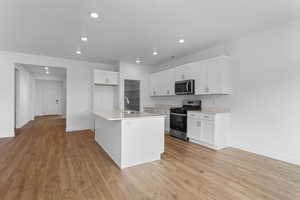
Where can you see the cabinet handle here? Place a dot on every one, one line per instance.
(154, 93)
(182, 76)
(206, 117)
(168, 91)
(207, 89)
(106, 80)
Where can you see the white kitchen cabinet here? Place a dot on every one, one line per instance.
(162, 111)
(210, 130)
(155, 80)
(194, 129)
(208, 134)
(198, 72)
(218, 76)
(162, 83)
(212, 76)
(182, 72)
(106, 77)
(168, 82)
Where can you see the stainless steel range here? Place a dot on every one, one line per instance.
(178, 118)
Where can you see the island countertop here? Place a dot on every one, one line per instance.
(119, 115)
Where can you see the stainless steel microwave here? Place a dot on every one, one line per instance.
(186, 87)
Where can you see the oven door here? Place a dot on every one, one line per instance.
(184, 87)
(178, 122)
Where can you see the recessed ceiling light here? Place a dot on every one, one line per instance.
(138, 61)
(46, 68)
(94, 15)
(155, 53)
(47, 72)
(78, 52)
(181, 40)
(84, 39)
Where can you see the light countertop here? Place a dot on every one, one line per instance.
(212, 110)
(119, 115)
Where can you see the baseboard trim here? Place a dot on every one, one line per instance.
(80, 131)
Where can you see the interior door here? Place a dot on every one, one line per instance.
(48, 97)
(51, 98)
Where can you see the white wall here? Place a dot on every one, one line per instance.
(104, 97)
(135, 72)
(266, 100)
(24, 97)
(79, 88)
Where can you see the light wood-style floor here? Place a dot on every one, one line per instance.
(45, 163)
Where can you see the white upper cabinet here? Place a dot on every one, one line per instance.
(162, 83)
(198, 72)
(212, 76)
(155, 80)
(218, 76)
(106, 77)
(182, 72)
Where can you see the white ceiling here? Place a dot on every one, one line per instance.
(40, 70)
(128, 29)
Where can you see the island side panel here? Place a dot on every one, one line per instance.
(108, 136)
(142, 140)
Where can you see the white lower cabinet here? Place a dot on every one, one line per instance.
(194, 128)
(210, 130)
(208, 134)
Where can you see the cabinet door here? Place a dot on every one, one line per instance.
(99, 77)
(168, 85)
(208, 135)
(154, 84)
(214, 76)
(194, 128)
(111, 78)
(182, 72)
(105, 77)
(164, 83)
(198, 72)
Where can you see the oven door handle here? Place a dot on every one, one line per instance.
(178, 114)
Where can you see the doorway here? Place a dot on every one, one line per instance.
(39, 90)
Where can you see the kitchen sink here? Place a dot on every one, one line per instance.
(131, 112)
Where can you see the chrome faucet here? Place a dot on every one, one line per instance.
(127, 100)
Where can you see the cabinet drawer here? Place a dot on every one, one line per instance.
(202, 116)
(207, 116)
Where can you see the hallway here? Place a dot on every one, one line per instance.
(46, 163)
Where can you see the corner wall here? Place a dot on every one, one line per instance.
(24, 97)
(266, 91)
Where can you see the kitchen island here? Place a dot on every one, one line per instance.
(130, 138)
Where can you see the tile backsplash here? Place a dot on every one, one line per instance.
(208, 101)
